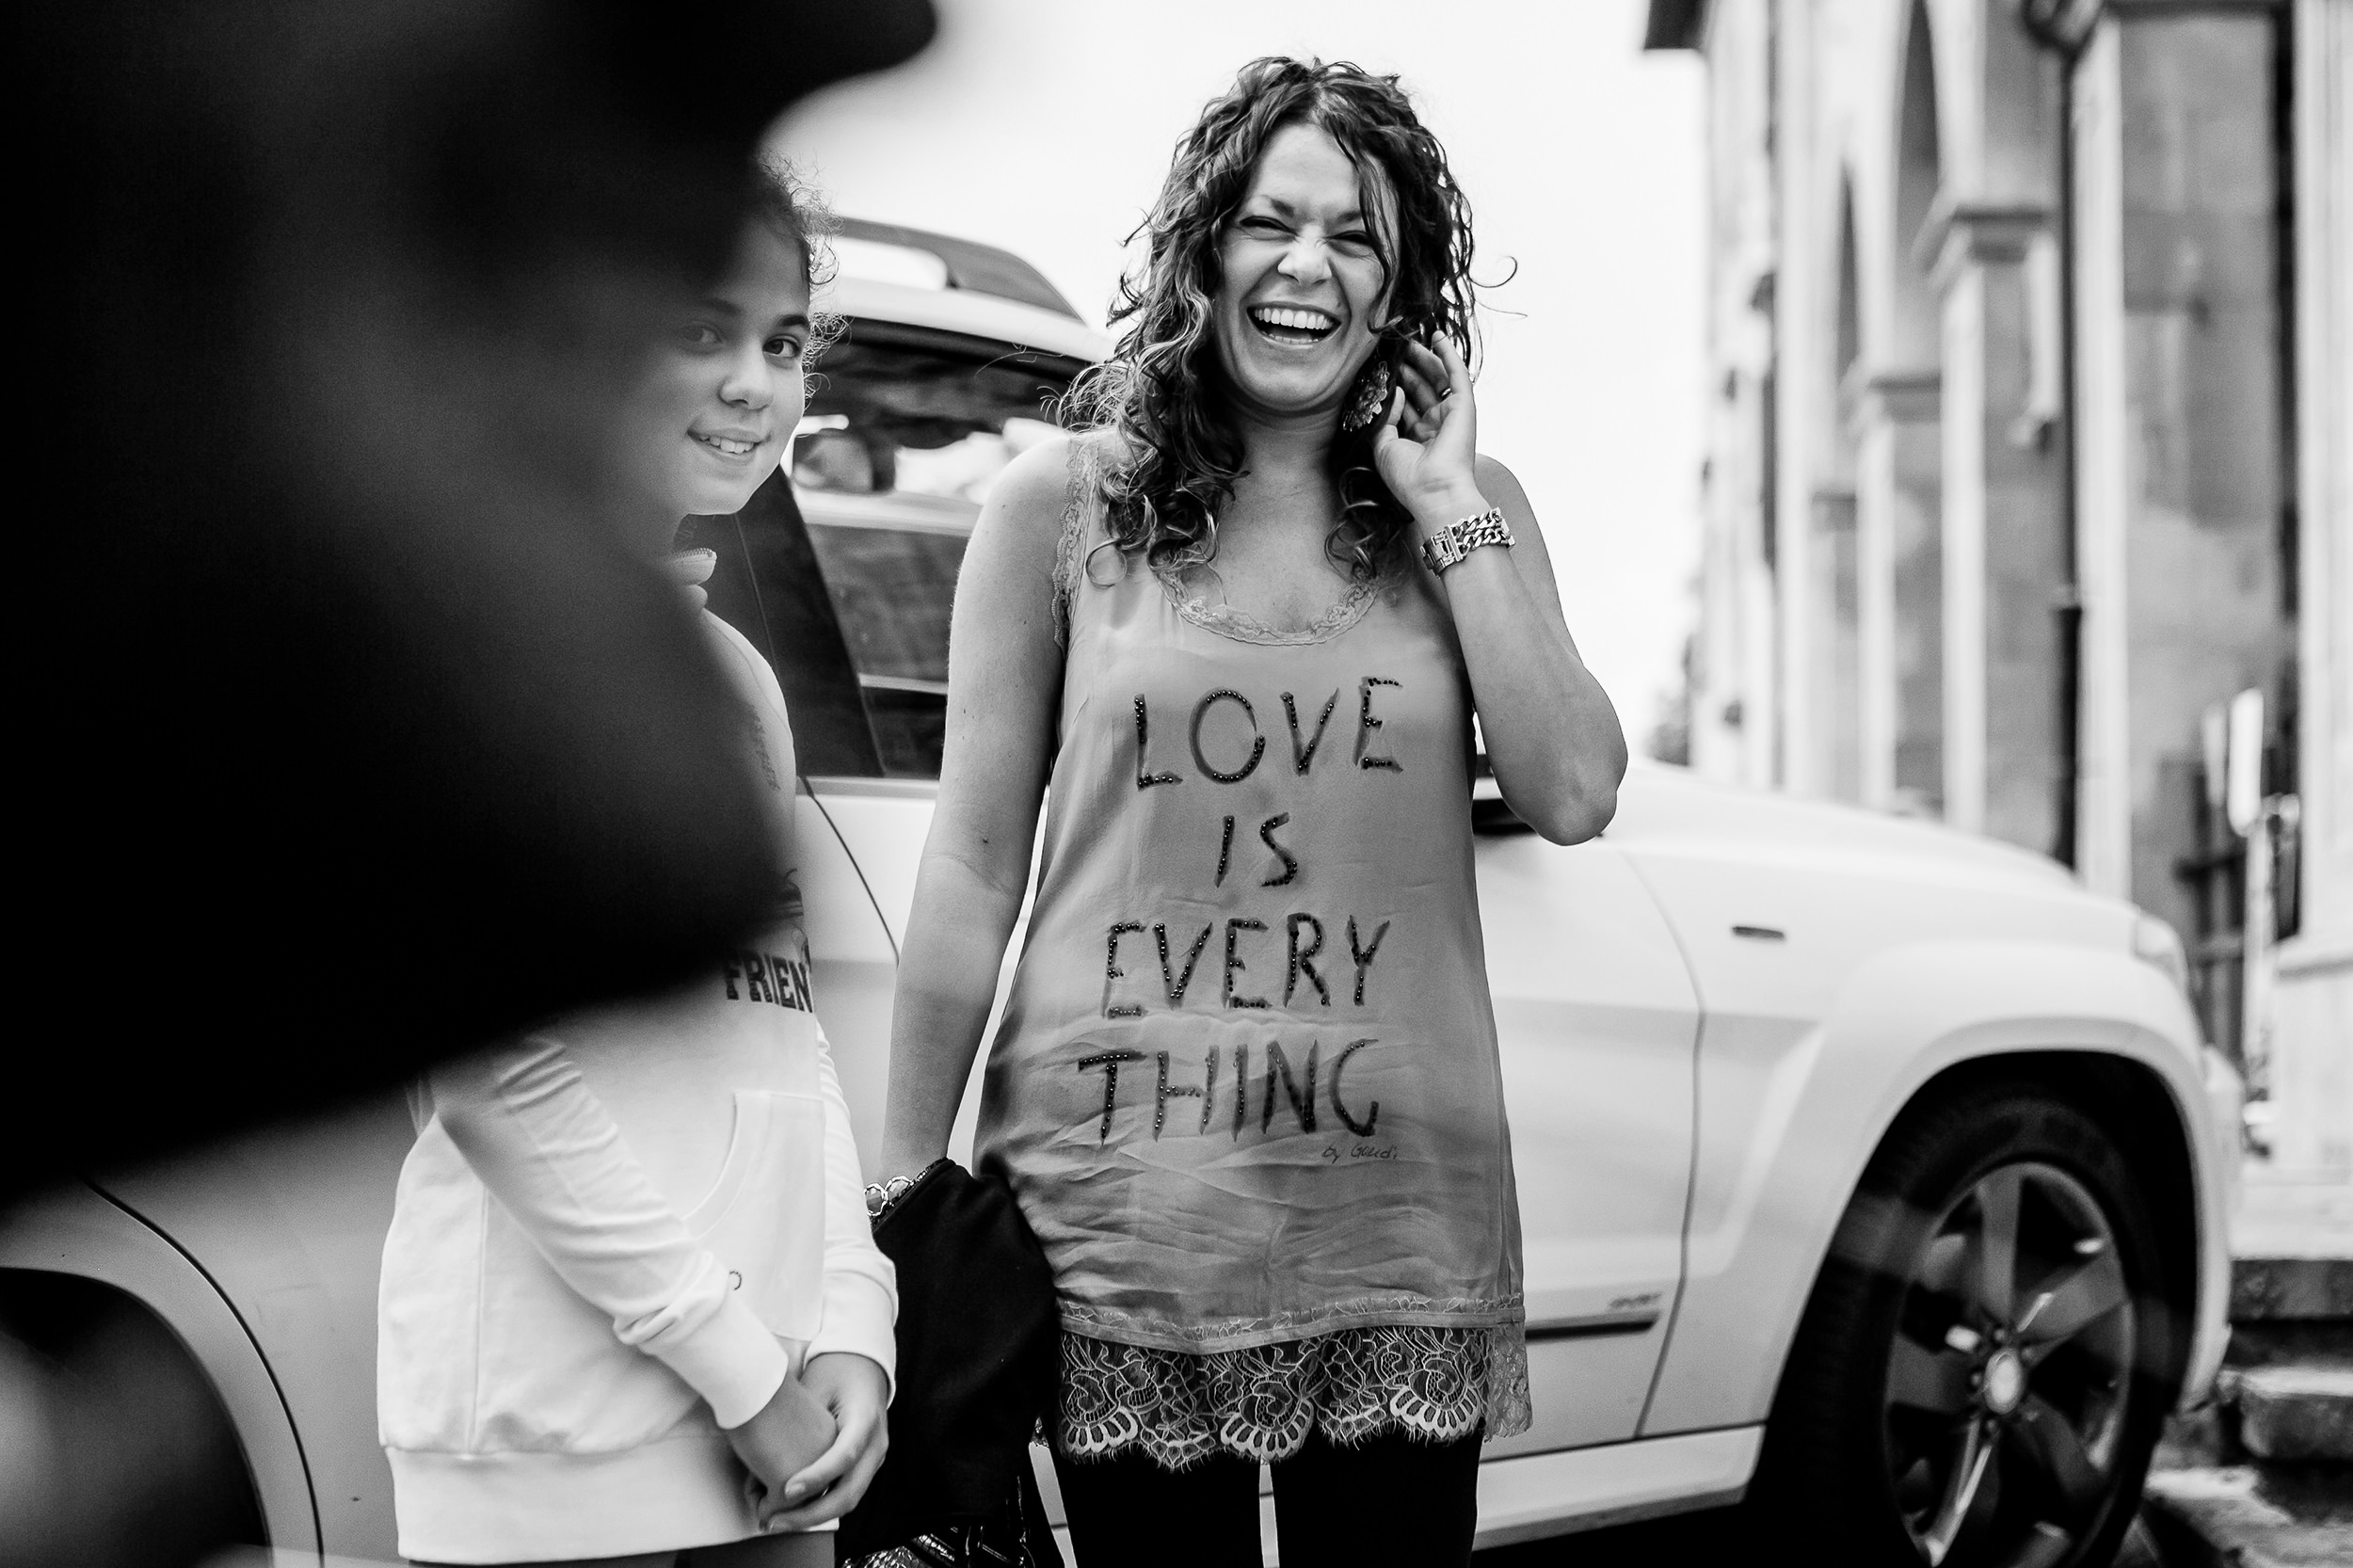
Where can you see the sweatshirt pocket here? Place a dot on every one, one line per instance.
(764, 1218)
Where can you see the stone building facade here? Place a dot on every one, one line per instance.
(2031, 380)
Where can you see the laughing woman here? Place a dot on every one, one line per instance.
(1246, 1085)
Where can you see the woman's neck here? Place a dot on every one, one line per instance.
(1286, 455)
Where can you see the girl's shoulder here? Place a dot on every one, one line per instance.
(742, 662)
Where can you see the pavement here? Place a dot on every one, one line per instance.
(2252, 1516)
(1727, 1538)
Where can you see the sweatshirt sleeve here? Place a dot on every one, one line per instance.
(861, 1287)
(547, 1148)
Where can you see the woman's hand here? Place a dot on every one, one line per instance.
(855, 1391)
(1426, 448)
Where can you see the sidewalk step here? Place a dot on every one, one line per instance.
(2239, 1517)
(2296, 1412)
(2269, 1290)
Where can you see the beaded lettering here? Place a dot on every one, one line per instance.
(1257, 742)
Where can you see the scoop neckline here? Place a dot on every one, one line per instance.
(1239, 626)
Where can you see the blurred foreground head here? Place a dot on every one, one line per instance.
(360, 731)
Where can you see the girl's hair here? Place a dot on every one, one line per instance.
(1161, 389)
(785, 199)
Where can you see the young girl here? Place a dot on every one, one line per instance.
(632, 1311)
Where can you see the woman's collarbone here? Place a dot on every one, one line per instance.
(1283, 594)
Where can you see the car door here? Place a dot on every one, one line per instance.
(1598, 1023)
(843, 570)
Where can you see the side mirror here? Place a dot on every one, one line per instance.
(2243, 762)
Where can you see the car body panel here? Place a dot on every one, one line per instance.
(1865, 972)
(1534, 1496)
(854, 965)
(883, 821)
(1597, 1021)
(289, 1224)
(75, 1230)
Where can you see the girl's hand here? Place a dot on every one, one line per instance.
(791, 1433)
(855, 1391)
(1427, 446)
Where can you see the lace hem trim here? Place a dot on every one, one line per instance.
(1439, 1384)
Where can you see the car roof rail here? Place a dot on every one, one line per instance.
(971, 266)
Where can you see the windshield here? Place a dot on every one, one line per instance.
(906, 431)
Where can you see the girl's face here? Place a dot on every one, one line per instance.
(721, 396)
(1303, 295)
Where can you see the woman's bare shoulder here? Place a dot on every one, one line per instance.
(1032, 497)
(1034, 485)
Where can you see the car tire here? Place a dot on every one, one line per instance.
(1987, 1357)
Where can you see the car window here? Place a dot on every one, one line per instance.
(906, 431)
(845, 576)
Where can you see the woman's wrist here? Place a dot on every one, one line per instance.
(904, 1156)
(1448, 508)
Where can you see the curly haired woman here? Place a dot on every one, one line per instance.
(1245, 1087)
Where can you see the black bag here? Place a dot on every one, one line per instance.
(979, 1348)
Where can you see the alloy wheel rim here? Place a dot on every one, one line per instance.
(2010, 1372)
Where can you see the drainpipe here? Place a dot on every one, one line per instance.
(2063, 28)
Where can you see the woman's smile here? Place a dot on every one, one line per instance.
(1301, 325)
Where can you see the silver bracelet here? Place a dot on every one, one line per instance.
(1449, 545)
(883, 1197)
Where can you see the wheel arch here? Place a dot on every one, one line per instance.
(2131, 1103)
(74, 1233)
(2110, 1034)
(1918, 1019)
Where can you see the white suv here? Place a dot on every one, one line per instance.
(1874, 1164)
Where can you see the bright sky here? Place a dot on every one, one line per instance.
(1045, 126)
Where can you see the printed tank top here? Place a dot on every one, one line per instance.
(1246, 1086)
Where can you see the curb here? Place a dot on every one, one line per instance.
(2222, 1518)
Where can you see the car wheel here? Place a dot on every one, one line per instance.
(1986, 1360)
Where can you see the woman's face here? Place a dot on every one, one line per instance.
(1303, 293)
(721, 396)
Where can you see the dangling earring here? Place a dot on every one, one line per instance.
(1371, 398)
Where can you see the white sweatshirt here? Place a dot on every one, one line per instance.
(617, 1236)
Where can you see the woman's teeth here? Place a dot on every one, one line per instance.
(1285, 324)
(727, 447)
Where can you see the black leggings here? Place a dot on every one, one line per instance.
(1391, 1500)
